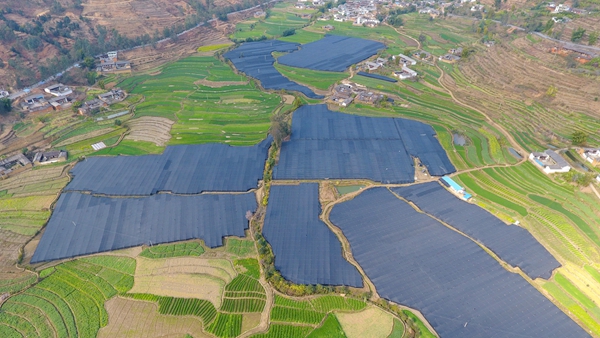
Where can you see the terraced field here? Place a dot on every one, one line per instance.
(235, 114)
(69, 300)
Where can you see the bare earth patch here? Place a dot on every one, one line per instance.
(250, 321)
(372, 322)
(151, 129)
(185, 277)
(133, 318)
(288, 99)
(219, 84)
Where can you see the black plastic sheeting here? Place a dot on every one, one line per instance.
(332, 53)
(513, 244)
(331, 145)
(306, 251)
(185, 169)
(460, 289)
(377, 76)
(84, 224)
(254, 59)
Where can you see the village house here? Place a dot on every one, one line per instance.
(405, 73)
(368, 97)
(371, 66)
(109, 63)
(35, 103)
(421, 54)
(328, 27)
(91, 107)
(14, 164)
(405, 60)
(115, 95)
(48, 157)
(449, 58)
(4, 94)
(60, 102)
(58, 90)
(550, 162)
(591, 155)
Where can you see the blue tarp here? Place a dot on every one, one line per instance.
(513, 244)
(254, 59)
(332, 53)
(83, 224)
(186, 169)
(306, 251)
(326, 144)
(377, 76)
(461, 290)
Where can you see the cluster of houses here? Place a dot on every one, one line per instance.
(452, 56)
(344, 94)
(103, 100)
(359, 12)
(109, 63)
(17, 163)
(404, 61)
(563, 8)
(54, 97)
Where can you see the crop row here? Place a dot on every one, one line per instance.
(173, 250)
(242, 305)
(226, 325)
(244, 283)
(180, 306)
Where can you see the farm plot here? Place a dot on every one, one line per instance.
(494, 300)
(183, 278)
(254, 59)
(69, 301)
(25, 200)
(281, 17)
(150, 129)
(303, 318)
(244, 294)
(131, 318)
(186, 169)
(331, 145)
(372, 322)
(512, 244)
(173, 250)
(306, 250)
(333, 53)
(233, 113)
(317, 79)
(138, 221)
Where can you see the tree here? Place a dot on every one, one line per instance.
(89, 63)
(579, 138)
(101, 84)
(280, 128)
(577, 34)
(289, 32)
(117, 122)
(422, 38)
(91, 77)
(396, 21)
(5, 106)
(498, 4)
(592, 38)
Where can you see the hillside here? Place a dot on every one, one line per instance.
(41, 37)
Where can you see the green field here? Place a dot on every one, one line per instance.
(173, 250)
(237, 114)
(312, 78)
